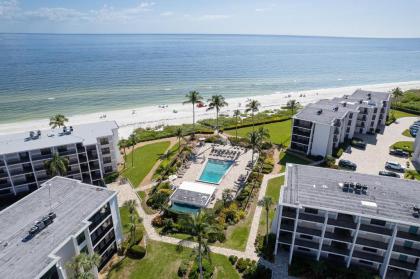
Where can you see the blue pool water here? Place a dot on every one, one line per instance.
(214, 171)
(184, 208)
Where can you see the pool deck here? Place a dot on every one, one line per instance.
(238, 168)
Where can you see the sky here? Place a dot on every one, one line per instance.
(349, 18)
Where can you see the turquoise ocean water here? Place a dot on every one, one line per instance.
(42, 74)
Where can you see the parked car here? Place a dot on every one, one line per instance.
(394, 166)
(399, 152)
(358, 144)
(413, 132)
(389, 173)
(346, 164)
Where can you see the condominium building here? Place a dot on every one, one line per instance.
(416, 153)
(91, 150)
(42, 232)
(350, 218)
(322, 126)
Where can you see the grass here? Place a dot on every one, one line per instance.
(412, 174)
(273, 190)
(147, 209)
(279, 132)
(162, 261)
(407, 133)
(145, 158)
(400, 114)
(285, 158)
(404, 145)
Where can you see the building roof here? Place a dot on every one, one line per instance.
(386, 197)
(85, 133)
(370, 95)
(193, 193)
(71, 200)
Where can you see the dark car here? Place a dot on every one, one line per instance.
(358, 143)
(389, 173)
(399, 152)
(346, 164)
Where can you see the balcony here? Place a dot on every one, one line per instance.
(347, 223)
(407, 251)
(94, 166)
(306, 244)
(66, 152)
(285, 238)
(21, 171)
(301, 132)
(299, 147)
(75, 171)
(41, 157)
(92, 155)
(2, 164)
(301, 140)
(104, 244)
(368, 256)
(288, 214)
(99, 217)
(374, 229)
(311, 218)
(339, 237)
(308, 231)
(372, 243)
(105, 151)
(3, 174)
(302, 124)
(409, 236)
(15, 161)
(5, 184)
(27, 181)
(403, 265)
(101, 231)
(287, 227)
(335, 250)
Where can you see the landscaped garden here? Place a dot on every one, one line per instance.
(288, 157)
(404, 145)
(144, 159)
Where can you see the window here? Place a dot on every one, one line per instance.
(372, 250)
(351, 115)
(371, 124)
(348, 130)
(349, 122)
(377, 222)
(365, 262)
(374, 117)
(311, 210)
(304, 249)
(81, 238)
(306, 236)
(104, 141)
(375, 110)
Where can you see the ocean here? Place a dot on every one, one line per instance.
(44, 74)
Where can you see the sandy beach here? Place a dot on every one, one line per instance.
(151, 116)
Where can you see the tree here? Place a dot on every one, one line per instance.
(266, 202)
(131, 205)
(252, 106)
(58, 120)
(193, 97)
(236, 114)
(82, 265)
(263, 133)
(179, 135)
(166, 155)
(255, 142)
(132, 142)
(57, 165)
(199, 227)
(293, 105)
(227, 196)
(397, 93)
(123, 144)
(217, 102)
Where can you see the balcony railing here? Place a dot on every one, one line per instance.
(403, 265)
(287, 227)
(409, 236)
(335, 250)
(300, 140)
(339, 237)
(67, 152)
(374, 229)
(41, 157)
(311, 218)
(299, 132)
(285, 238)
(20, 171)
(368, 256)
(15, 161)
(20, 183)
(348, 224)
(104, 244)
(308, 231)
(306, 244)
(407, 251)
(372, 243)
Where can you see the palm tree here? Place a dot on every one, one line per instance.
(82, 265)
(236, 114)
(131, 205)
(57, 165)
(193, 97)
(179, 135)
(123, 144)
(255, 142)
(199, 228)
(252, 106)
(397, 93)
(166, 155)
(227, 196)
(263, 133)
(292, 105)
(217, 102)
(132, 143)
(58, 120)
(266, 202)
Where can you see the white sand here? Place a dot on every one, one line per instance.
(152, 116)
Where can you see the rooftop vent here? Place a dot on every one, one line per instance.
(335, 108)
(356, 188)
(360, 101)
(42, 224)
(67, 130)
(369, 96)
(416, 211)
(33, 135)
(344, 104)
(319, 112)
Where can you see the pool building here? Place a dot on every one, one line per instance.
(190, 197)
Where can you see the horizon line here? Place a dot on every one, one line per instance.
(210, 34)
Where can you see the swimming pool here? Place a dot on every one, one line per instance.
(214, 171)
(184, 208)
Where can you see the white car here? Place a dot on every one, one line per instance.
(394, 166)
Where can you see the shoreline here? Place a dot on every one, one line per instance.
(151, 116)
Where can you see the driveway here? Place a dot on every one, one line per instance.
(373, 158)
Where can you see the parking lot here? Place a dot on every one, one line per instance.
(373, 158)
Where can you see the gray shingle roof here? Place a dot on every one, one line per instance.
(71, 200)
(318, 187)
(86, 133)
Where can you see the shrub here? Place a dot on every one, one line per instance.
(233, 259)
(111, 177)
(136, 252)
(257, 272)
(241, 265)
(208, 270)
(183, 268)
(157, 221)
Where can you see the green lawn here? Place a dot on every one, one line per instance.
(144, 159)
(279, 132)
(162, 261)
(290, 158)
(404, 145)
(273, 191)
(400, 114)
(407, 133)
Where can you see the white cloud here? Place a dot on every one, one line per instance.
(213, 17)
(9, 9)
(260, 10)
(55, 14)
(168, 13)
